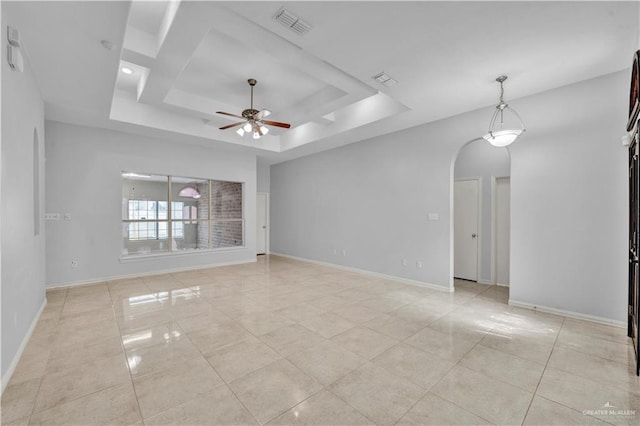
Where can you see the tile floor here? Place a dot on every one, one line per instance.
(287, 342)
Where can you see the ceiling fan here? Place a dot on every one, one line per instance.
(254, 120)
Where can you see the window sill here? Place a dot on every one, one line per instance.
(140, 257)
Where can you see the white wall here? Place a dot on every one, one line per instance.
(83, 173)
(372, 199)
(481, 159)
(568, 206)
(23, 273)
(264, 176)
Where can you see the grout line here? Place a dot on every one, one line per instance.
(544, 370)
(49, 358)
(573, 409)
(288, 360)
(259, 277)
(124, 352)
(296, 404)
(224, 381)
(441, 379)
(459, 362)
(33, 407)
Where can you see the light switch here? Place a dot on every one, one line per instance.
(433, 216)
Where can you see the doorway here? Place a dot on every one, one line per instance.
(262, 220)
(465, 230)
(481, 220)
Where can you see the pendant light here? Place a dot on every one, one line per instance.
(190, 191)
(501, 136)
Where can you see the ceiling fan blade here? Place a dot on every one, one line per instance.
(277, 124)
(228, 126)
(228, 113)
(262, 114)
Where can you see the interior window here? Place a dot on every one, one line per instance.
(204, 213)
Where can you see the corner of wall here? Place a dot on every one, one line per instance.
(22, 270)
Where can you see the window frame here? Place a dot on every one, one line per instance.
(170, 221)
(157, 220)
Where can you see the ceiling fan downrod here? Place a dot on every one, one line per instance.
(250, 113)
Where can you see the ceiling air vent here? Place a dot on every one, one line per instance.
(384, 79)
(292, 22)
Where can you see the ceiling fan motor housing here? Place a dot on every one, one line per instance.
(249, 113)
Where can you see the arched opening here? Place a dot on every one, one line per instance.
(481, 220)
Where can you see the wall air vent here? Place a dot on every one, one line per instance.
(384, 79)
(292, 22)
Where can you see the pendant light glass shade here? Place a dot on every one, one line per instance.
(190, 192)
(498, 135)
(502, 138)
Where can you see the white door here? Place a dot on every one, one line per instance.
(261, 219)
(502, 230)
(465, 231)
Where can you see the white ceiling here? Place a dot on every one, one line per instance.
(191, 59)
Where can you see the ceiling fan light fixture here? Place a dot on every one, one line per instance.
(254, 121)
(502, 137)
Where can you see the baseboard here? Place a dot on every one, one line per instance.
(489, 282)
(365, 272)
(568, 314)
(12, 367)
(148, 274)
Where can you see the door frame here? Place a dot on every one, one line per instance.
(478, 224)
(633, 320)
(494, 228)
(267, 242)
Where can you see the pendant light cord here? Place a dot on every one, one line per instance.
(502, 105)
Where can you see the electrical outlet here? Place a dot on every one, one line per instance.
(74, 264)
(404, 262)
(419, 264)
